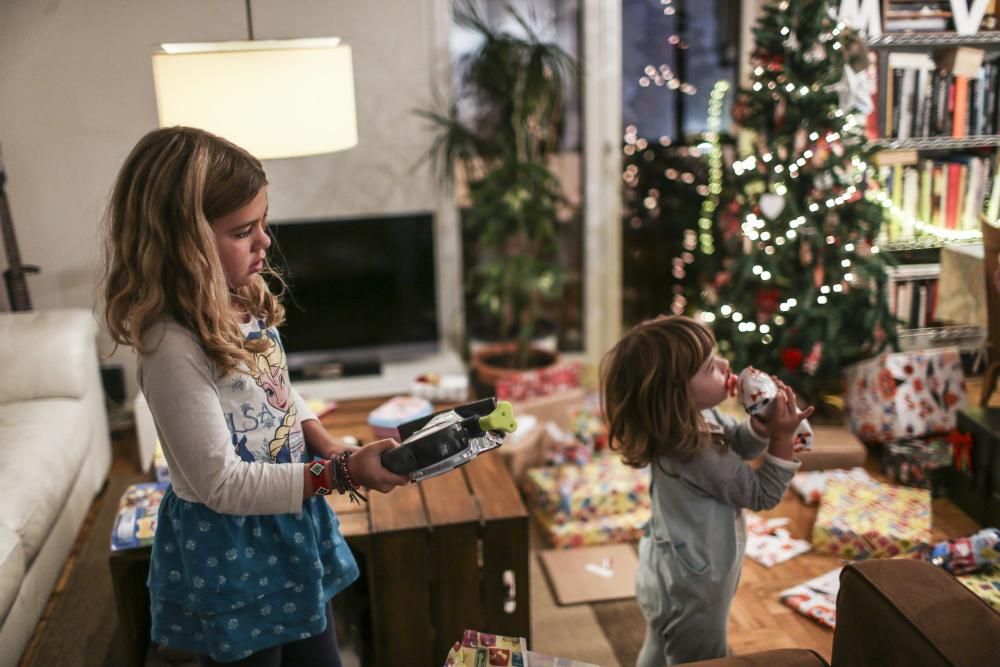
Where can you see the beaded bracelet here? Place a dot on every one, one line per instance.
(345, 480)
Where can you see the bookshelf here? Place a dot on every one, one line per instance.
(939, 125)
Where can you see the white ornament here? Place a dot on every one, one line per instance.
(862, 15)
(757, 391)
(967, 18)
(771, 205)
(854, 91)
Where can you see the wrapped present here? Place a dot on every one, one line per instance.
(816, 598)
(135, 523)
(769, 543)
(965, 555)
(602, 487)
(757, 391)
(871, 520)
(385, 419)
(921, 463)
(810, 485)
(482, 649)
(625, 527)
(901, 395)
(561, 447)
(984, 584)
(524, 385)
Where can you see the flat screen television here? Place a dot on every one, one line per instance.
(362, 292)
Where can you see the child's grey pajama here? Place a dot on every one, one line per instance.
(692, 554)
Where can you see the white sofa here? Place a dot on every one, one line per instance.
(55, 454)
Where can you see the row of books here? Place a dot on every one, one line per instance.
(948, 192)
(929, 15)
(923, 100)
(913, 294)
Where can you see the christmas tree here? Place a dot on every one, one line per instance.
(803, 292)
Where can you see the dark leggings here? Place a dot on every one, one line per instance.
(319, 651)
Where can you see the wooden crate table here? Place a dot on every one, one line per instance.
(436, 558)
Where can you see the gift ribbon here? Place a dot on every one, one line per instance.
(961, 446)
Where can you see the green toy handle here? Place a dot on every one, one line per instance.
(501, 419)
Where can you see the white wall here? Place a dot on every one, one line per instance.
(76, 92)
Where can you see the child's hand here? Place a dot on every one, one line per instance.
(367, 470)
(785, 418)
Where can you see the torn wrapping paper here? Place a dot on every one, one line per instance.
(965, 555)
(769, 543)
(871, 520)
(810, 485)
(816, 598)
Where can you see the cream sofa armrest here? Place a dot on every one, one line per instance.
(46, 354)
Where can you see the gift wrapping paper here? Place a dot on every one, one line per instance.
(625, 527)
(524, 385)
(483, 649)
(916, 462)
(905, 394)
(984, 584)
(810, 485)
(871, 520)
(769, 542)
(816, 598)
(603, 486)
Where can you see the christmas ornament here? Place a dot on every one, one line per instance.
(771, 205)
(811, 364)
(805, 254)
(757, 391)
(819, 275)
(799, 142)
(767, 302)
(791, 358)
(854, 92)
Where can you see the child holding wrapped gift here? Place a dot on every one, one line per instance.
(662, 383)
(247, 553)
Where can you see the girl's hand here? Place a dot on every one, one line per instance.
(367, 470)
(785, 418)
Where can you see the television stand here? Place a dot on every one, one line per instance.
(394, 378)
(331, 370)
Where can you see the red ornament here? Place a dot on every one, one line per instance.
(767, 301)
(792, 358)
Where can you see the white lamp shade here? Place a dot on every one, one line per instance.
(274, 98)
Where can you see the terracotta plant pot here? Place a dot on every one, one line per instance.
(494, 361)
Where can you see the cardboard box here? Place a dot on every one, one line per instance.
(871, 520)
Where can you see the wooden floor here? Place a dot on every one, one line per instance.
(758, 621)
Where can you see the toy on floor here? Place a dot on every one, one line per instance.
(979, 551)
(443, 441)
(757, 390)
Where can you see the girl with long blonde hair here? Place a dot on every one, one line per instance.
(247, 554)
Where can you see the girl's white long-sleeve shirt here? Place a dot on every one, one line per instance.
(222, 434)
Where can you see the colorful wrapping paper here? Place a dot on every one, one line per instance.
(524, 385)
(871, 520)
(905, 394)
(598, 530)
(482, 649)
(768, 543)
(810, 485)
(984, 584)
(920, 463)
(816, 598)
(604, 486)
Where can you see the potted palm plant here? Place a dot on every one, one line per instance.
(497, 135)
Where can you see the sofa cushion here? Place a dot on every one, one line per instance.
(44, 443)
(48, 353)
(11, 569)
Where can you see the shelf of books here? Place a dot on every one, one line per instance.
(939, 120)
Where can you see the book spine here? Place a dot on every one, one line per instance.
(960, 113)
